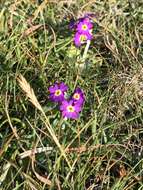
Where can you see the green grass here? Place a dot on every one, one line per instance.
(102, 150)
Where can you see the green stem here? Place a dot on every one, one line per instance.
(86, 50)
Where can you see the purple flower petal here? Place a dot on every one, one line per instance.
(57, 92)
(70, 110)
(63, 87)
(80, 38)
(84, 26)
(72, 24)
(53, 88)
(78, 96)
(78, 107)
(64, 105)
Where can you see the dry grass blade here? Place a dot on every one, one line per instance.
(6, 144)
(41, 178)
(31, 30)
(29, 92)
(9, 119)
(12, 10)
(35, 151)
(5, 169)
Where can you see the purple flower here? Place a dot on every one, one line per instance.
(70, 109)
(72, 24)
(84, 26)
(80, 38)
(57, 92)
(78, 96)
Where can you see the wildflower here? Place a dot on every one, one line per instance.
(72, 24)
(57, 92)
(78, 96)
(84, 26)
(80, 38)
(70, 109)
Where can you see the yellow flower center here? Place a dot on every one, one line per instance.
(70, 108)
(76, 96)
(84, 27)
(58, 92)
(82, 38)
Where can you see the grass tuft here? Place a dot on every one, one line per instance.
(102, 149)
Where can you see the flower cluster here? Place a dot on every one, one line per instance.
(70, 108)
(83, 29)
